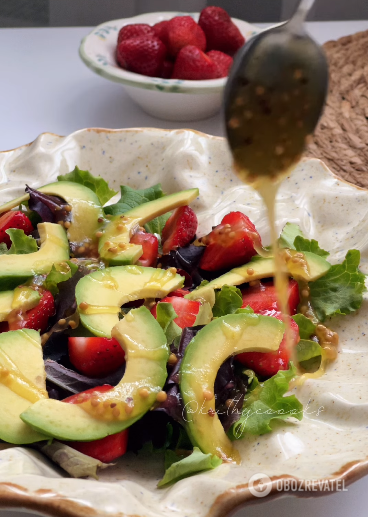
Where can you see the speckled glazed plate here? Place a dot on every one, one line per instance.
(330, 443)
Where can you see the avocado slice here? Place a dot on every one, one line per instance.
(146, 354)
(22, 382)
(310, 268)
(16, 269)
(101, 294)
(25, 298)
(114, 246)
(223, 337)
(6, 300)
(86, 208)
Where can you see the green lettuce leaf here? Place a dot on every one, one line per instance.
(22, 244)
(177, 468)
(340, 290)
(75, 463)
(288, 235)
(301, 244)
(130, 198)
(165, 315)
(306, 327)
(306, 349)
(266, 402)
(245, 310)
(59, 273)
(97, 185)
(228, 300)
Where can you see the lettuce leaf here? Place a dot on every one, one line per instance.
(22, 244)
(75, 463)
(301, 244)
(165, 315)
(340, 290)
(306, 327)
(177, 468)
(288, 235)
(228, 300)
(97, 185)
(307, 349)
(266, 402)
(293, 238)
(130, 198)
(59, 273)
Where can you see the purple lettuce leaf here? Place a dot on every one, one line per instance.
(72, 382)
(51, 209)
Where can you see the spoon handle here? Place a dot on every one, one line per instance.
(302, 11)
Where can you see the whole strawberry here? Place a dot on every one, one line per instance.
(193, 64)
(223, 62)
(183, 31)
(221, 33)
(143, 55)
(134, 30)
(160, 30)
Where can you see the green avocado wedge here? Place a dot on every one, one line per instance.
(114, 245)
(220, 339)
(146, 354)
(258, 268)
(101, 294)
(86, 208)
(16, 269)
(22, 382)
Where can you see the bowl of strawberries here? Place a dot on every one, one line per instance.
(173, 65)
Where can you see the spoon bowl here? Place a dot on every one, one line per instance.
(273, 100)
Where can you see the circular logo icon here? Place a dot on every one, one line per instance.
(260, 485)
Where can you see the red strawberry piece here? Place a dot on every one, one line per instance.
(179, 292)
(221, 33)
(149, 243)
(134, 30)
(14, 219)
(264, 297)
(95, 356)
(269, 363)
(160, 30)
(193, 64)
(183, 31)
(223, 62)
(230, 244)
(186, 310)
(143, 55)
(167, 69)
(107, 449)
(180, 229)
(36, 318)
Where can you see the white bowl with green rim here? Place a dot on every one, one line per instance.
(169, 99)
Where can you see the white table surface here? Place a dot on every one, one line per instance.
(44, 86)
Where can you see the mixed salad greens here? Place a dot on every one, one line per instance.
(123, 330)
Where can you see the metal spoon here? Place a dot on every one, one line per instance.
(274, 97)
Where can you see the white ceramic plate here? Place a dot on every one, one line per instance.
(331, 441)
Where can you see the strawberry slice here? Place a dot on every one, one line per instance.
(231, 243)
(107, 449)
(143, 55)
(221, 32)
(269, 363)
(186, 310)
(180, 229)
(179, 292)
(193, 64)
(16, 220)
(222, 61)
(149, 243)
(264, 297)
(36, 318)
(183, 31)
(95, 356)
